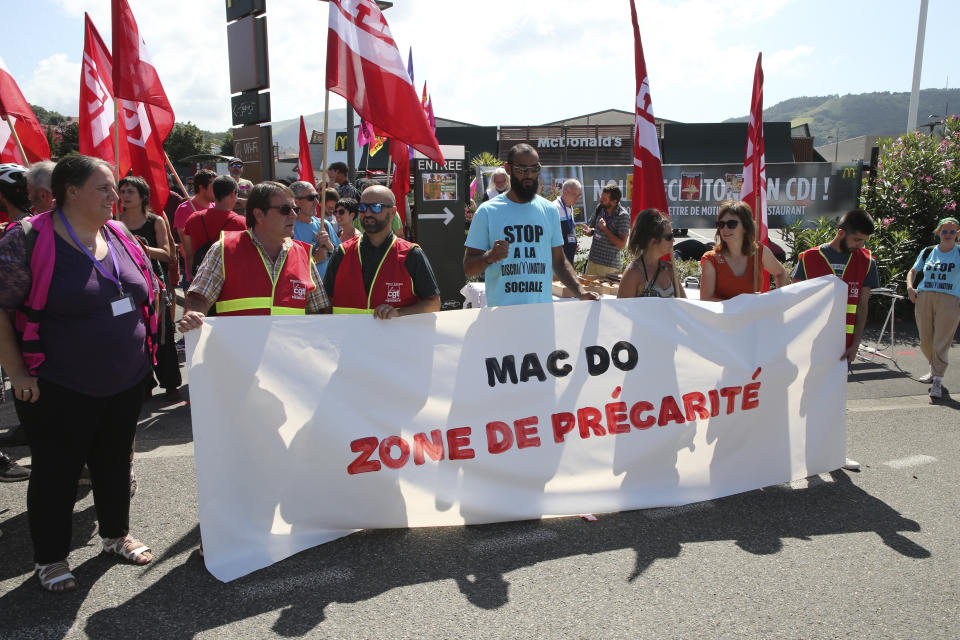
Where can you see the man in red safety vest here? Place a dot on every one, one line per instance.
(379, 273)
(847, 258)
(260, 271)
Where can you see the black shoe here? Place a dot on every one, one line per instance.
(15, 437)
(10, 471)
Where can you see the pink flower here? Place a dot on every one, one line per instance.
(945, 192)
(948, 164)
(928, 179)
(952, 206)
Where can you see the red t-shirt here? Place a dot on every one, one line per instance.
(205, 226)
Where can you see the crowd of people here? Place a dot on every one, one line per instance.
(88, 271)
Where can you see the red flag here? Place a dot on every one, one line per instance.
(365, 67)
(32, 137)
(305, 166)
(145, 113)
(754, 189)
(432, 120)
(364, 133)
(648, 190)
(401, 176)
(97, 123)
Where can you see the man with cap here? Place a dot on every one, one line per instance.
(236, 171)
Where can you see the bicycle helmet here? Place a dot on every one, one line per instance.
(13, 185)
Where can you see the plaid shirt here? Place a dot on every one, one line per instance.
(602, 251)
(209, 279)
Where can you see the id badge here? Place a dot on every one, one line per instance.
(121, 305)
(572, 238)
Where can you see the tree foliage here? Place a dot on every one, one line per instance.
(226, 147)
(917, 183)
(185, 140)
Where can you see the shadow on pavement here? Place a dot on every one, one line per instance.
(187, 600)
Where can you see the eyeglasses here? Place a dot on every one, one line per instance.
(313, 197)
(341, 212)
(374, 207)
(948, 232)
(729, 224)
(523, 169)
(286, 209)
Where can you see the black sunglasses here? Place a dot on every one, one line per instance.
(313, 197)
(286, 209)
(729, 224)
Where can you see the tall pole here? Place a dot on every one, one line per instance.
(323, 178)
(351, 145)
(917, 64)
(16, 138)
(116, 139)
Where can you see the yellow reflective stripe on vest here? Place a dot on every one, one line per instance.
(243, 304)
(252, 304)
(352, 310)
(849, 328)
(851, 308)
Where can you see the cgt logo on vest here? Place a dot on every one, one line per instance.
(299, 290)
(393, 291)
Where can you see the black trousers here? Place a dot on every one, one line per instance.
(66, 430)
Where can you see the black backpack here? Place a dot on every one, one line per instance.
(201, 252)
(918, 277)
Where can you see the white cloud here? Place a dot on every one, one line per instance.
(54, 84)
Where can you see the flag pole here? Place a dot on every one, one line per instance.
(176, 176)
(23, 154)
(116, 139)
(757, 249)
(323, 164)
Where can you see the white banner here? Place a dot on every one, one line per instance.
(307, 428)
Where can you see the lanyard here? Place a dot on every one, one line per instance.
(115, 279)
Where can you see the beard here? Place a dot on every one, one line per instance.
(524, 192)
(373, 225)
(844, 247)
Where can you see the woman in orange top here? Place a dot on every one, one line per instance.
(727, 271)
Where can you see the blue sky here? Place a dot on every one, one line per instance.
(507, 62)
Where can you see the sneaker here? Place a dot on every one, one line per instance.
(851, 465)
(10, 471)
(928, 377)
(936, 389)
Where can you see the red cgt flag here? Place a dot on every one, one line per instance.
(305, 165)
(365, 67)
(754, 189)
(96, 99)
(146, 117)
(648, 190)
(25, 123)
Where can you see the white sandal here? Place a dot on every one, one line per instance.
(129, 548)
(55, 573)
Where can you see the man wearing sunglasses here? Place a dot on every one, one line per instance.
(261, 271)
(515, 240)
(847, 258)
(319, 234)
(379, 273)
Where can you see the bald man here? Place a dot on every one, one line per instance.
(379, 273)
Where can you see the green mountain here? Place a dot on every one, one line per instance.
(881, 113)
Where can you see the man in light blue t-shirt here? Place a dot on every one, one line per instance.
(319, 234)
(515, 240)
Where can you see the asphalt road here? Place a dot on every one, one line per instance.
(848, 554)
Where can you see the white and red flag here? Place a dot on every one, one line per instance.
(146, 117)
(648, 190)
(754, 189)
(96, 131)
(364, 66)
(400, 153)
(25, 123)
(305, 165)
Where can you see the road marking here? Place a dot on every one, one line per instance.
(910, 461)
(319, 578)
(888, 404)
(501, 543)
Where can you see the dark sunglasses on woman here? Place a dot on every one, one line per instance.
(729, 224)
